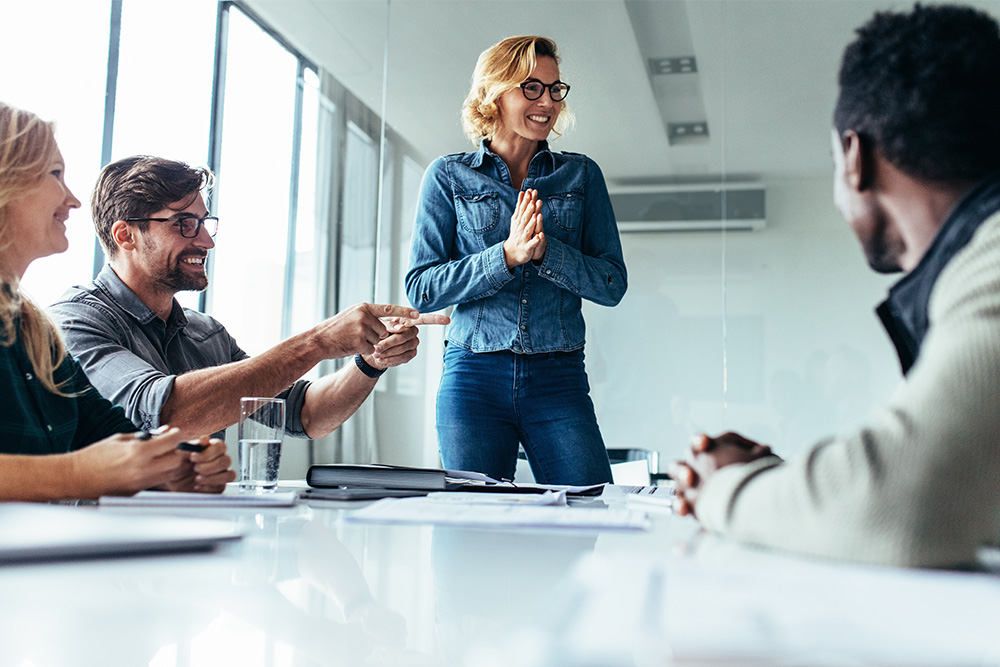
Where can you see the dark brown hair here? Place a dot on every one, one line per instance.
(138, 187)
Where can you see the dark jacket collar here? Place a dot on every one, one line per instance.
(904, 312)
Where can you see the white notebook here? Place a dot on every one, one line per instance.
(32, 533)
(180, 499)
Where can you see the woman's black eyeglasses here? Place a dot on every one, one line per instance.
(533, 89)
(188, 226)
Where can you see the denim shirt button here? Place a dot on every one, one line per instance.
(524, 328)
(548, 272)
(524, 301)
(29, 377)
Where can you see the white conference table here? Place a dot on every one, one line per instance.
(306, 587)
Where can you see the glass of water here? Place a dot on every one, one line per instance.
(261, 429)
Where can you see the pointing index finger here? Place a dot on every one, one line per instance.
(398, 324)
(431, 318)
(389, 310)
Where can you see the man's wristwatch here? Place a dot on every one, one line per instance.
(367, 368)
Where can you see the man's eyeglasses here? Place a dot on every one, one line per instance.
(188, 226)
(534, 88)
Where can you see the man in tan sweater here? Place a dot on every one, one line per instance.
(916, 152)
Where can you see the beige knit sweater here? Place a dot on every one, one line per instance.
(920, 484)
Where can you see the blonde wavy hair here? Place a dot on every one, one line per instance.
(27, 144)
(502, 67)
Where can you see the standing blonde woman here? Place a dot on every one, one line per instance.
(58, 437)
(515, 236)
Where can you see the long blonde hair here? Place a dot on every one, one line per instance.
(27, 144)
(502, 67)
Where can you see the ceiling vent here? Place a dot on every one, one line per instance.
(689, 208)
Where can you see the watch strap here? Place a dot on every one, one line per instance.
(367, 368)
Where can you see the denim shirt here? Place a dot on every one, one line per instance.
(132, 356)
(904, 312)
(463, 218)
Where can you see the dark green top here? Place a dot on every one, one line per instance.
(33, 420)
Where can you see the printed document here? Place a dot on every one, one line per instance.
(500, 515)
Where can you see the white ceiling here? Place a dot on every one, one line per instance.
(767, 73)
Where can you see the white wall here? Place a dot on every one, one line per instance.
(805, 354)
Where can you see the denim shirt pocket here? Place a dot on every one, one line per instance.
(478, 212)
(566, 209)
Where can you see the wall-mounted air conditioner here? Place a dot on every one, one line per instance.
(689, 208)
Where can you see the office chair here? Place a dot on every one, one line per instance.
(621, 455)
(651, 457)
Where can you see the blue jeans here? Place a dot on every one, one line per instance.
(488, 402)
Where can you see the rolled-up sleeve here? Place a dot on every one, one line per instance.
(99, 342)
(97, 417)
(295, 398)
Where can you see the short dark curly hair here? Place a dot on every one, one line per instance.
(924, 86)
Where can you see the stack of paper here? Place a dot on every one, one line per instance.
(178, 499)
(504, 515)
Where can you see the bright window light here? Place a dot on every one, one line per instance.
(61, 78)
(164, 98)
(253, 186)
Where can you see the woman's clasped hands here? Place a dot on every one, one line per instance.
(526, 241)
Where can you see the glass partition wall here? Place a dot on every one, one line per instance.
(749, 305)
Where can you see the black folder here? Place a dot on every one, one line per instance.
(365, 481)
(348, 475)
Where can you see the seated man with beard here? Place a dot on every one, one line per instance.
(167, 364)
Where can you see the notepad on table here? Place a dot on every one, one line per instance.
(179, 499)
(507, 515)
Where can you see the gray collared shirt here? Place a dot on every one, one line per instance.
(132, 356)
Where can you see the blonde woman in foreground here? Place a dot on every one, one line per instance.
(59, 439)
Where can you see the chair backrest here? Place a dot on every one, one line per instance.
(651, 457)
(633, 466)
